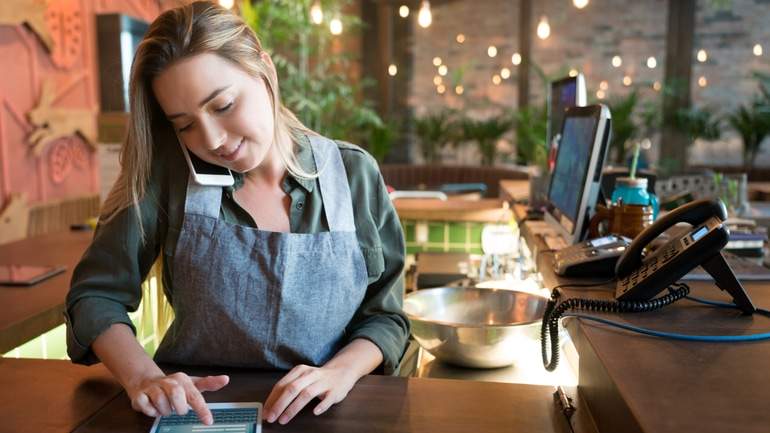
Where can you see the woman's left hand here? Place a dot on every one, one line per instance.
(304, 383)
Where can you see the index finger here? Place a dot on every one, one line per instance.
(198, 404)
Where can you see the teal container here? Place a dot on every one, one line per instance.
(634, 191)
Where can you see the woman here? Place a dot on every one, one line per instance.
(280, 271)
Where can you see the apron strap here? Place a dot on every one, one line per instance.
(333, 181)
(202, 199)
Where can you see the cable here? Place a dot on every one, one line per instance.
(549, 329)
(675, 336)
(723, 304)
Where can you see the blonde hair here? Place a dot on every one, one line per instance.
(196, 28)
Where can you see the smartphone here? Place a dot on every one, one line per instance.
(205, 173)
(27, 275)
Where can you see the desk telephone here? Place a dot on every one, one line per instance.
(640, 279)
(594, 257)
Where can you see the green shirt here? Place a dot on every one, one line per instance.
(106, 283)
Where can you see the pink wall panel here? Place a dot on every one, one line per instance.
(68, 166)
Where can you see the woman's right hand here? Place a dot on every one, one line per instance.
(159, 395)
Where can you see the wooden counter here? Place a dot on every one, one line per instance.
(635, 383)
(56, 396)
(483, 210)
(30, 311)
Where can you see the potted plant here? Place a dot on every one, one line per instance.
(485, 133)
(752, 122)
(434, 130)
(623, 126)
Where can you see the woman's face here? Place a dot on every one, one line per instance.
(219, 112)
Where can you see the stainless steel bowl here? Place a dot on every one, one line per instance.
(474, 327)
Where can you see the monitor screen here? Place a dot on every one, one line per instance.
(564, 93)
(568, 180)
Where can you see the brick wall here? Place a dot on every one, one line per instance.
(586, 40)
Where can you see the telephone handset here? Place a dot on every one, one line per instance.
(641, 279)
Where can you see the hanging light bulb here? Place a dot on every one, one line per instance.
(617, 61)
(505, 73)
(403, 11)
(702, 56)
(460, 38)
(424, 17)
(702, 81)
(440, 89)
(580, 4)
(651, 62)
(226, 3)
(316, 13)
(442, 70)
(516, 59)
(600, 94)
(627, 81)
(656, 86)
(757, 50)
(492, 51)
(459, 90)
(437, 80)
(573, 72)
(335, 26)
(496, 79)
(392, 70)
(543, 28)
(604, 85)
(437, 61)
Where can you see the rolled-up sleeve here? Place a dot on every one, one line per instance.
(106, 283)
(380, 318)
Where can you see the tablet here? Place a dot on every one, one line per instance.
(228, 417)
(27, 275)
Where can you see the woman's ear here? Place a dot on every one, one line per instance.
(269, 62)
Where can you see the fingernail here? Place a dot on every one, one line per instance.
(283, 420)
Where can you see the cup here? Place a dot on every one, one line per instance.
(620, 219)
(633, 191)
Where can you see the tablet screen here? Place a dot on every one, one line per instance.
(22, 275)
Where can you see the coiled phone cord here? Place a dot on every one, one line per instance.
(549, 329)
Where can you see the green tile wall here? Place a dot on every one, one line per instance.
(444, 236)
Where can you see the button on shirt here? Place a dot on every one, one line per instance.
(106, 282)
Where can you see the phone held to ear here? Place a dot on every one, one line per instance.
(205, 173)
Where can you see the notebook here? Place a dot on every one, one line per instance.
(228, 418)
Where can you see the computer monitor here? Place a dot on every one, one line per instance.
(564, 93)
(576, 178)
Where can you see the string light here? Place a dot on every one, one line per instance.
(403, 11)
(580, 4)
(505, 73)
(437, 61)
(656, 86)
(651, 62)
(757, 50)
(543, 28)
(440, 89)
(437, 80)
(459, 90)
(228, 4)
(573, 72)
(460, 38)
(496, 79)
(617, 61)
(424, 17)
(335, 26)
(316, 13)
(627, 80)
(492, 51)
(604, 85)
(702, 56)
(516, 59)
(702, 81)
(392, 70)
(600, 94)
(442, 70)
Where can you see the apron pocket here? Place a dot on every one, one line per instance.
(375, 262)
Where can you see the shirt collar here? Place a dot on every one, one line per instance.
(304, 155)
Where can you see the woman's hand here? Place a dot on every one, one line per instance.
(161, 394)
(304, 383)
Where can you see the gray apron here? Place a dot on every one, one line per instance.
(244, 297)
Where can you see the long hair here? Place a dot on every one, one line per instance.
(196, 28)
